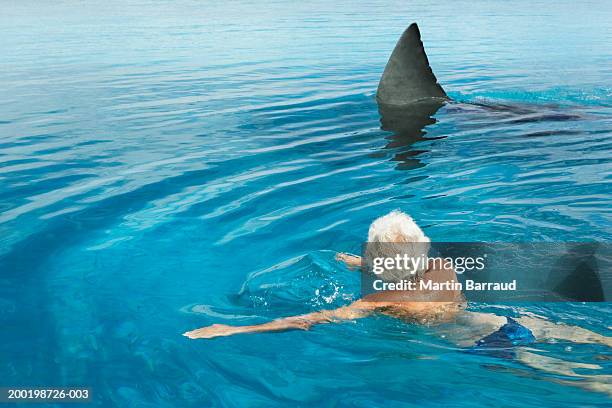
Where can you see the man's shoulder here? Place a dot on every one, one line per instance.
(440, 272)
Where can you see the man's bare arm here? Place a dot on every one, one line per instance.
(352, 261)
(353, 311)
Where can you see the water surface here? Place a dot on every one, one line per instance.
(170, 165)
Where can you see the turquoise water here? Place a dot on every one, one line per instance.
(169, 166)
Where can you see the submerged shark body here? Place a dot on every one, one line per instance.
(408, 84)
(409, 96)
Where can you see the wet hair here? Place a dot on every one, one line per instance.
(393, 234)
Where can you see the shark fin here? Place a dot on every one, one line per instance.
(407, 77)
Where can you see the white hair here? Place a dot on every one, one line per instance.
(397, 233)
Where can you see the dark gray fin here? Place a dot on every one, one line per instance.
(577, 273)
(582, 285)
(407, 77)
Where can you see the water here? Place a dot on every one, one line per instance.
(168, 166)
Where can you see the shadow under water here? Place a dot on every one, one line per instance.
(407, 125)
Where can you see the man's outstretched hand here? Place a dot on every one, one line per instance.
(208, 332)
(352, 261)
(221, 330)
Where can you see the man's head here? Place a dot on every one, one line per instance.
(397, 234)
